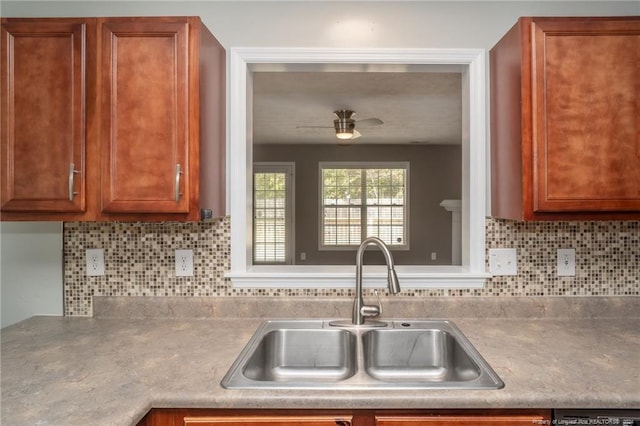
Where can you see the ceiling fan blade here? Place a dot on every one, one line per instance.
(356, 134)
(373, 121)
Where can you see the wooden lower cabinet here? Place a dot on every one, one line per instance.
(514, 419)
(268, 420)
(206, 417)
(210, 417)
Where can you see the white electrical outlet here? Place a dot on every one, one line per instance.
(503, 261)
(184, 263)
(566, 262)
(434, 255)
(95, 262)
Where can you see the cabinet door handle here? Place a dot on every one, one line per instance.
(72, 172)
(178, 175)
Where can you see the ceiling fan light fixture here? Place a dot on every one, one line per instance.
(347, 141)
(344, 125)
(345, 135)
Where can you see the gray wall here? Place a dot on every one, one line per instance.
(31, 270)
(435, 175)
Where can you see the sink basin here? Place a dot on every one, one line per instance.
(302, 355)
(417, 355)
(308, 354)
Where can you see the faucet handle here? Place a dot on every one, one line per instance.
(372, 310)
(379, 302)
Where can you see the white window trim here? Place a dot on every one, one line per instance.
(290, 169)
(471, 274)
(362, 165)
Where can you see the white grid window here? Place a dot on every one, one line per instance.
(361, 200)
(272, 213)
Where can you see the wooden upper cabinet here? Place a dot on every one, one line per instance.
(145, 116)
(162, 119)
(565, 109)
(43, 115)
(136, 132)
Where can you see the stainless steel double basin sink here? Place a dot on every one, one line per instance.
(313, 354)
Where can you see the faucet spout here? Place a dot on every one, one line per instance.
(360, 310)
(393, 281)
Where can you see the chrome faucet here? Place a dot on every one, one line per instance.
(360, 310)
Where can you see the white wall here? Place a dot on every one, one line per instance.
(31, 264)
(31, 270)
(474, 24)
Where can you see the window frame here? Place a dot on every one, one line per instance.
(244, 61)
(289, 168)
(362, 165)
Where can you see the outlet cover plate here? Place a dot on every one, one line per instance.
(566, 262)
(503, 261)
(184, 263)
(95, 262)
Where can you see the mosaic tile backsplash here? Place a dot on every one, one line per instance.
(139, 261)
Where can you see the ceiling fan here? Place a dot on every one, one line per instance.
(345, 126)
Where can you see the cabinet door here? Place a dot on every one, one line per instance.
(145, 116)
(43, 115)
(586, 110)
(320, 420)
(496, 420)
(224, 417)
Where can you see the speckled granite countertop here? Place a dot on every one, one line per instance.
(112, 370)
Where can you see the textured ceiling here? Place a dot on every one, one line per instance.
(416, 107)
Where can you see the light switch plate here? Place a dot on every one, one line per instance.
(95, 262)
(503, 261)
(566, 262)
